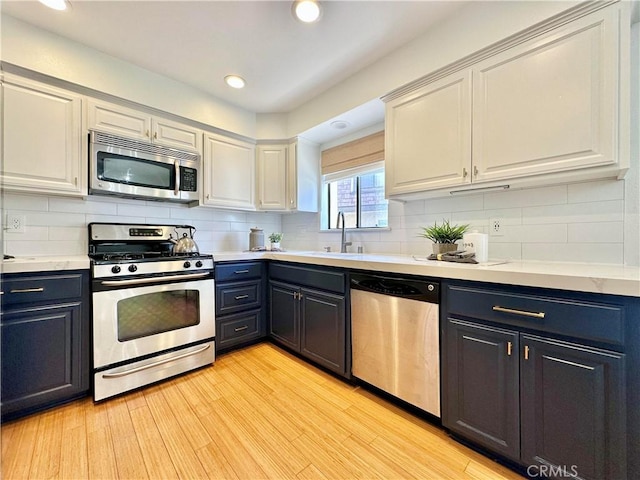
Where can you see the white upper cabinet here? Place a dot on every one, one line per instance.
(548, 105)
(229, 173)
(131, 123)
(43, 146)
(272, 177)
(288, 176)
(428, 136)
(537, 109)
(303, 175)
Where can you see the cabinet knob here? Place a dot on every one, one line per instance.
(509, 348)
(146, 134)
(155, 135)
(526, 352)
(464, 173)
(475, 171)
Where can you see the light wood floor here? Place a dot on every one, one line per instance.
(257, 413)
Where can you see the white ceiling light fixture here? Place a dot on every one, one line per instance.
(235, 81)
(56, 4)
(340, 124)
(307, 11)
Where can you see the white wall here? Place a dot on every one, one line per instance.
(581, 222)
(58, 225)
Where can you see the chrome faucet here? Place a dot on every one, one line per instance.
(343, 240)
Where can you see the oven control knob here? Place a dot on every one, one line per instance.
(187, 264)
(115, 269)
(198, 264)
(132, 268)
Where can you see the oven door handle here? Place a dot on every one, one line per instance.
(155, 364)
(138, 281)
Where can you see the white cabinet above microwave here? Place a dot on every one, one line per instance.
(118, 120)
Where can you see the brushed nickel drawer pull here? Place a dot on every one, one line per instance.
(239, 329)
(237, 272)
(524, 313)
(27, 290)
(509, 348)
(242, 297)
(526, 352)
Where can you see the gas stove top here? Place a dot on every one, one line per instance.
(119, 249)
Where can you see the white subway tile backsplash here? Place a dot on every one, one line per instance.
(610, 232)
(602, 190)
(454, 204)
(505, 251)
(76, 234)
(573, 252)
(46, 219)
(78, 205)
(144, 211)
(526, 198)
(36, 203)
(46, 248)
(606, 211)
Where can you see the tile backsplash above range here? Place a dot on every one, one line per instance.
(58, 225)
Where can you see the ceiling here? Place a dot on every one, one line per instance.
(285, 62)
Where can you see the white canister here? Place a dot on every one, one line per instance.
(477, 243)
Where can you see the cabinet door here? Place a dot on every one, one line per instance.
(482, 390)
(573, 408)
(229, 173)
(42, 139)
(44, 357)
(238, 328)
(284, 314)
(303, 176)
(323, 329)
(428, 137)
(272, 177)
(176, 135)
(549, 104)
(119, 120)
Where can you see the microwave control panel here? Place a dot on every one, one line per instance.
(188, 179)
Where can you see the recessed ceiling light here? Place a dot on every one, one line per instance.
(307, 11)
(56, 4)
(235, 81)
(339, 124)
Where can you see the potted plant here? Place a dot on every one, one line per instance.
(444, 236)
(275, 238)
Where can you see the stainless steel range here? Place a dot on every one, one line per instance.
(153, 310)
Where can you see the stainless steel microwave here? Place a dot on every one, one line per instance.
(134, 169)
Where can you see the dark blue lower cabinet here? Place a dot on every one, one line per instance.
(483, 386)
(556, 408)
(573, 409)
(45, 331)
(309, 322)
(42, 357)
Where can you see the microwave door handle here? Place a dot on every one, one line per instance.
(177, 167)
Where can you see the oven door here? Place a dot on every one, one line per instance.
(134, 321)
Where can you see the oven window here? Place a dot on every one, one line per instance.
(154, 313)
(135, 171)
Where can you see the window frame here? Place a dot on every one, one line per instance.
(327, 224)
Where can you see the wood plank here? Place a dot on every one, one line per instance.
(182, 455)
(189, 422)
(17, 458)
(311, 473)
(156, 457)
(215, 463)
(102, 457)
(48, 444)
(74, 461)
(129, 459)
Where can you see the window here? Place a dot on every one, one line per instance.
(360, 196)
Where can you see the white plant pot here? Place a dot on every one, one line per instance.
(275, 245)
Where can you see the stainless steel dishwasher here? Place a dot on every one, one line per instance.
(395, 337)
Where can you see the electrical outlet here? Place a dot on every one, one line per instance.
(496, 227)
(15, 223)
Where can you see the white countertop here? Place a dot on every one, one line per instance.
(593, 278)
(44, 264)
